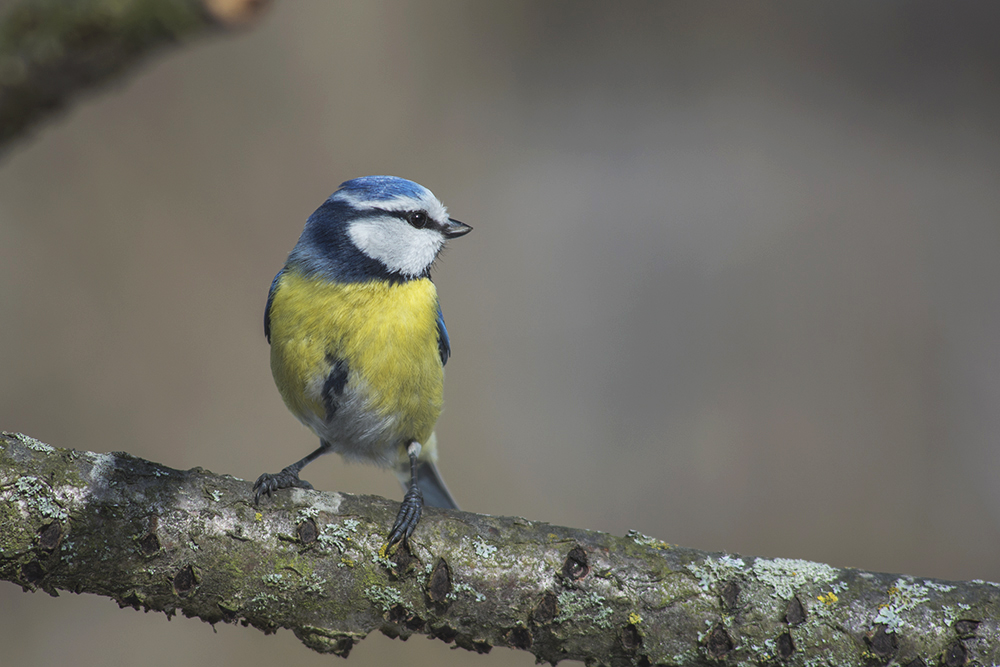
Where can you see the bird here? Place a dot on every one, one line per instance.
(358, 341)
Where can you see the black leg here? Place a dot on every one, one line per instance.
(267, 483)
(413, 504)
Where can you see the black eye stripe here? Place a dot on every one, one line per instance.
(418, 219)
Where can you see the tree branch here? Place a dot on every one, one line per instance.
(190, 541)
(52, 49)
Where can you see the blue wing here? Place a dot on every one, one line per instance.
(444, 345)
(267, 308)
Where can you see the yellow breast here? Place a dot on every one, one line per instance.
(387, 336)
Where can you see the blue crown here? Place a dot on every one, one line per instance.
(379, 188)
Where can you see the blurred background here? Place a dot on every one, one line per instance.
(733, 280)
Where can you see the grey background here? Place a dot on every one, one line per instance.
(733, 279)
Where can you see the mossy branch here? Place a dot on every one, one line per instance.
(50, 50)
(192, 542)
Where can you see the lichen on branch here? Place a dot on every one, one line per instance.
(192, 542)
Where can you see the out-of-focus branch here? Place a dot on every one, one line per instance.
(190, 541)
(50, 50)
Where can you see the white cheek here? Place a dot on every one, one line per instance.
(398, 245)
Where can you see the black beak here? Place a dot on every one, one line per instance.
(454, 229)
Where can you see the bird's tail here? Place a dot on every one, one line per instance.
(436, 494)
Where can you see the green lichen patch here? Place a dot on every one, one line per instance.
(37, 497)
(306, 513)
(575, 604)
(646, 540)
(461, 587)
(484, 550)
(905, 595)
(713, 570)
(787, 575)
(275, 580)
(261, 601)
(383, 597)
(314, 584)
(29, 442)
(379, 558)
(339, 535)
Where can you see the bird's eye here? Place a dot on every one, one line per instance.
(417, 219)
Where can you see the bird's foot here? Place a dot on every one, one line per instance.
(268, 483)
(407, 519)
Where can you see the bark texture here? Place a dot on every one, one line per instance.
(192, 542)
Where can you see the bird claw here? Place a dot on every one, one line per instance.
(407, 518)
(268, 483)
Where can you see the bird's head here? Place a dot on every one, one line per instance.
(377, 225)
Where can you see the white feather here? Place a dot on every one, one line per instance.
(397, 244)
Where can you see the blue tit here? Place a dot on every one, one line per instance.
(358, 342)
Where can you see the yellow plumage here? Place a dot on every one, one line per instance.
(358, 343)
(387, 335)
